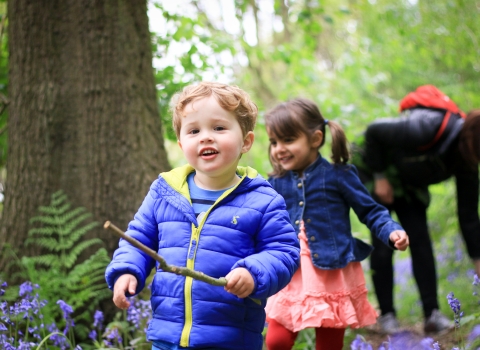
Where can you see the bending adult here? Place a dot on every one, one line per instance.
(400, 167)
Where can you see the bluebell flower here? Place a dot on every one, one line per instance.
(67, 310)
(476, 280)
(475, 333)
(93, 334)
(114, 334)
(359, 343)
(139, 313)
(2, 327)
(455, 306)
(453, 302)
(3, 285)
(452, 276)
(98, 319)
(436, 346)
(25, 345)
(426, 343)
(57, 339)
(26, 288)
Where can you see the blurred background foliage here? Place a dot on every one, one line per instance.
(356, 59)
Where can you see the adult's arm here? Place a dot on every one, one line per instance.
(467, 202)
(416, 129)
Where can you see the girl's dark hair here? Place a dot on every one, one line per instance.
(302, 116)
(469, 141)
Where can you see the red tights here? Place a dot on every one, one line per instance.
(280, 338)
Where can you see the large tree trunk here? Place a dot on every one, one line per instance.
(83, 116)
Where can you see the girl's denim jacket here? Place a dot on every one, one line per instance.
(322, 198)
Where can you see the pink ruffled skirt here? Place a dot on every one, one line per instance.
(322, 298)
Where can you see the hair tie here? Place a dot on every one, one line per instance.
(326, 121)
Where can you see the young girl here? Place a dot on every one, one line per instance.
(328, 291)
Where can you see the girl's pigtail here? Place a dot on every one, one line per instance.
(340, 153)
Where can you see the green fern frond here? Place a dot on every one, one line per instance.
(46, 220)
(91, 282)
(87, 281)
(72, 223)
(44, 242)
(90, 271)
(75, 236)
(48, 260)
(54, 210)
(80, 213)
(49, 230)
(72, 256)
(75, 212)
(60, 215)
(42, 231)
(60, 232)
(58, 198)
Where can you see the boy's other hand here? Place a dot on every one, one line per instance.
(124, 283)
(240, 282)
(400, 239)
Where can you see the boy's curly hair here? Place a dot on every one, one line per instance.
(229, 97)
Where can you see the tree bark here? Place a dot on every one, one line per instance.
(83, 114)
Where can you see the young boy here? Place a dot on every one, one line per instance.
(214, 217)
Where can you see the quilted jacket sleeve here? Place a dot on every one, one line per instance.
(128, 259)
(278, 251)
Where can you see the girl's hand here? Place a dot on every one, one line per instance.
(400, 239)
(384, 191)
(240, 282)
(124, 283)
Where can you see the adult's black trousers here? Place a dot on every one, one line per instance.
(412, 214)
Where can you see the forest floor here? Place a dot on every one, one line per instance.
(410, 337)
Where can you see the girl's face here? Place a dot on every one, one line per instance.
(295, 152)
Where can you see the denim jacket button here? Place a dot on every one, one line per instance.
(299, 185)
(315, 255)
(300, 203)
(297, 222)
(309, 221)
(312, 238)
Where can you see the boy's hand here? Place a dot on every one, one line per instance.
(400, 239)
(124, 283)
(240, 282)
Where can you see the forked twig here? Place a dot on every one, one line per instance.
(163, 264)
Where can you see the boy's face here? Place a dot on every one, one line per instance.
(212, 141)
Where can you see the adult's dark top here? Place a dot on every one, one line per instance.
(395, 142)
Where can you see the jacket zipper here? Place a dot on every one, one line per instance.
(192, 251)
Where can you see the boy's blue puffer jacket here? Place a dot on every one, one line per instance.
(247, 227)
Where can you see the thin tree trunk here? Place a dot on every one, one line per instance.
(83, 116)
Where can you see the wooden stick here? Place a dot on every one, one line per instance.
(163, 264)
